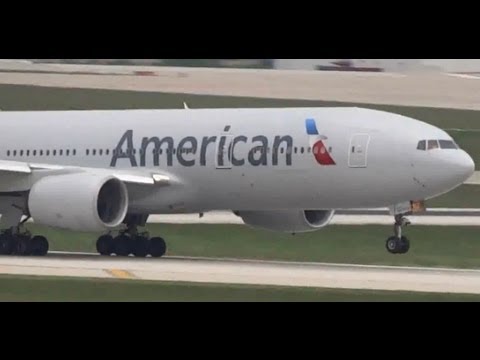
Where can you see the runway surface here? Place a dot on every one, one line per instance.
(201, 270)
(447, 217)
(414, 89)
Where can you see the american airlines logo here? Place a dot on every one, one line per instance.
(317, 143)
(190, 151)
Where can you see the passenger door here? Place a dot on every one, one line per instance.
(358, 154)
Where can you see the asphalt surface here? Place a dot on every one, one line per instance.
(341, 276)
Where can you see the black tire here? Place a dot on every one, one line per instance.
(141, 246)
(105, 245)
(393, 245)
(6, 244)
(39, 246)
(404, 245)
(123, 245)
(23, 246)
(158, 247)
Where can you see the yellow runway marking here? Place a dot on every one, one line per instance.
(121, 274)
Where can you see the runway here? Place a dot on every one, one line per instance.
(436, 90)
(440, 217)
(199, 270)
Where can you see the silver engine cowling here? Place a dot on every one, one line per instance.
(291, 221)
(79, 202)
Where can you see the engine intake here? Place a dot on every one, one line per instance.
(79, 202)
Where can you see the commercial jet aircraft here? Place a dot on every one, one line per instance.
(285, 170)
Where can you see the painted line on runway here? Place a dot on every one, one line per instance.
(121, 274)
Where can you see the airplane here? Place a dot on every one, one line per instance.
(280, 169)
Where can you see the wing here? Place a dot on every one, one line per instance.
(25, 174)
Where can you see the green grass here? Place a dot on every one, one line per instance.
(46, 289)
(20, 97)
(466, 196)
(456, 247)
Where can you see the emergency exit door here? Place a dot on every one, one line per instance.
(358, 157)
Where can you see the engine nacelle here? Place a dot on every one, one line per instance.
(79, 202)
(286, 220)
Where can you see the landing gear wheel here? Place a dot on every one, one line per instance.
(6, 244)
(158, 247)
(405, 245)
(105, 245)
(23, 246)
(123, 245)
(141, 246)
(393, 245)
(397, 245)
(39, 246)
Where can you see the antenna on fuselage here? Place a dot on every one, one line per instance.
(186, 106)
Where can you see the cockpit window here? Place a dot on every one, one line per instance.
(422, 145)
(432, 144)
(448, 144)
(437, 144)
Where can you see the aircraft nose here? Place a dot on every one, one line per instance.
(459, 167)
(465, 167)
(445, 171)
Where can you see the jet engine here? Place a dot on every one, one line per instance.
(79, 202)
(291, 221)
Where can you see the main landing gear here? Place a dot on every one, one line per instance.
(130, 242)
(398, 244)
(22, 244)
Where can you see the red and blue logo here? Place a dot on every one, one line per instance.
(317, 143)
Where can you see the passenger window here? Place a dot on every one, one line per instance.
(41, 152)
(432, 144)
(68, 152)
(61, 152)
(100, 152)
(54, 152)
(422, 145)
(94, 152)
(74, 152)
(8, 153)
(48, 152)
(34, 152)
(28, 152)
(447, 144)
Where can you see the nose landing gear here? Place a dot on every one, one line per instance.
(398, 244)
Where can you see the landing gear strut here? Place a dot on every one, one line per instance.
(398, 244)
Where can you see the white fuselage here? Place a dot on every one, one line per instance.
(370, 158)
